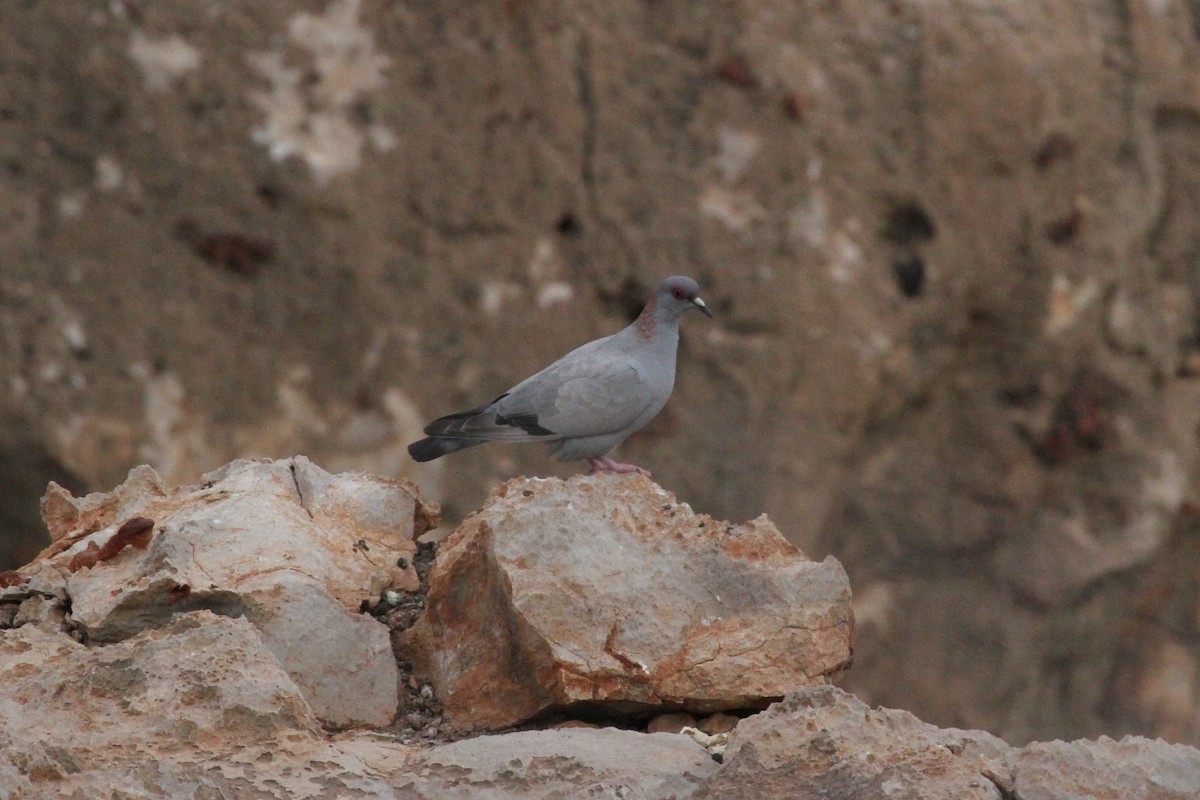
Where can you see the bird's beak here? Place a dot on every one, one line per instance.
(698, 303)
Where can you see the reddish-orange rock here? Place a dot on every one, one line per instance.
(605, 593)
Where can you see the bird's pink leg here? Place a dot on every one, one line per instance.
(606, 464)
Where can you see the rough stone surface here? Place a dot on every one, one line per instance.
(1133, 768)
(578, 762)
(607, 594)
(822, 742)
(342, 662)
(201, 681)
(225, 700)
(200, 707)
(293, 548)
(197, 708)
(951, 248)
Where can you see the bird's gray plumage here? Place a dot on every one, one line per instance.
(588, 401)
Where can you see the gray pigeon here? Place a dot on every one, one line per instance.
(588, 401)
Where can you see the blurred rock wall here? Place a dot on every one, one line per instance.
(952, 248)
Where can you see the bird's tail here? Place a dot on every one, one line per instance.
(432, 447)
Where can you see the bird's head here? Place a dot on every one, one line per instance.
(678, 294)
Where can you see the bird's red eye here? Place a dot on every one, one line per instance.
(678, 294)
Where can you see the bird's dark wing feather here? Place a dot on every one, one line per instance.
(485, 423)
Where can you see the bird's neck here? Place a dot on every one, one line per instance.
(656, 327)
(647, 322)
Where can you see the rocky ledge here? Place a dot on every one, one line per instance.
(278, 631)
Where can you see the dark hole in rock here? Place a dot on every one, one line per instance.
(1055, 147)
(910, 275)
(907, 223)
(1062, 231)
(567, 225)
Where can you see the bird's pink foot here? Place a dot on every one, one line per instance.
(605, 464)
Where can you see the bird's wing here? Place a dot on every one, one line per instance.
(592, 394)
(596, 389)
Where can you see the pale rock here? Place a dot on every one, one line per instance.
(540, 765)
(45, 612)
(342, 662)
(201, 682)
(293, 548)
(604, 593)
(197, 708)
(1133, 767)
(67, 517)
(375, 505)
(293, 771)
(822, 742)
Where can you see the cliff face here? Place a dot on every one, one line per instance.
(278, 631)
(951, 248)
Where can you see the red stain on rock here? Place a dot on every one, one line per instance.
(134, 532)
